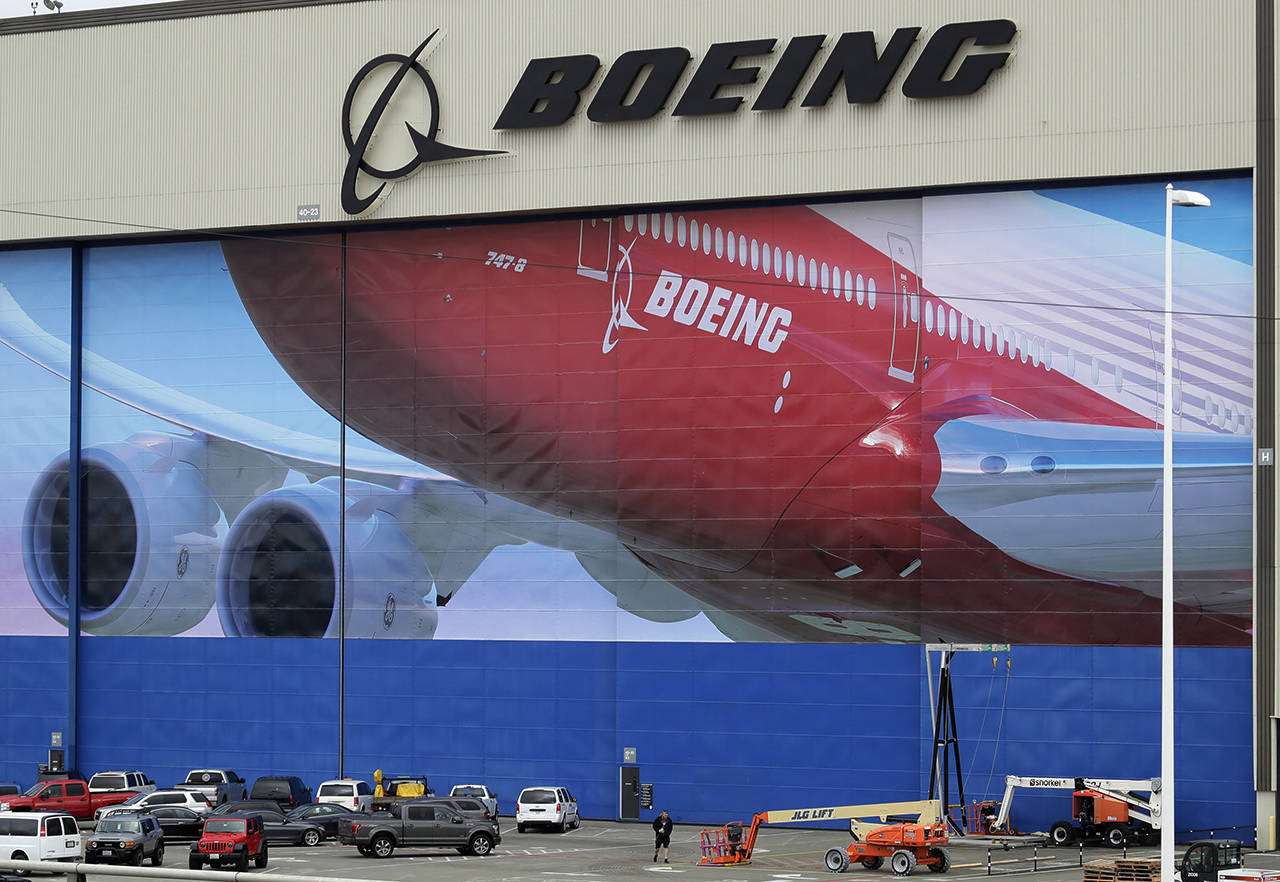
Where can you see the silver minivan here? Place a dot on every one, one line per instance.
(548, 806)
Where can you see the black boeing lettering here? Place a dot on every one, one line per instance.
(664, 67)
(926, 78)
(716, 70)
(866, 74)
(788, 72)
(548, 92)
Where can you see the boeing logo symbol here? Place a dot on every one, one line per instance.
(620, 317)
(426, 147)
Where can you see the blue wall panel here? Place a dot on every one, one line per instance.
(722, 730)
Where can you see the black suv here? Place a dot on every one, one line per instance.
(287, 791)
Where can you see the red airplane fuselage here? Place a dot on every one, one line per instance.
(747, 399)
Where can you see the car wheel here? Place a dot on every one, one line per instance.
(836, 859)
(481, 844)
(195, 864)
(20, 856)
(943, 862)
(311, 838)
(136, 860)
(157, 856)
(382, 846)
(577, 821)
(261, 860)
(521, 828)
(1116, 837)
(243, 864)
(563, 825)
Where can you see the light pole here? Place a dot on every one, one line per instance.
(1172, 197)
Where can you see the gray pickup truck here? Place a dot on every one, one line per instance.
(423, 824)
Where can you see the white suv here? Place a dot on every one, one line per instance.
(188, 799)
(350, 793)
(547, 806)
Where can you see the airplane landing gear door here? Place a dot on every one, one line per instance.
(628, 792)
(904, 350)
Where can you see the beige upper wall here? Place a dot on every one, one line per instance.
(234, 120)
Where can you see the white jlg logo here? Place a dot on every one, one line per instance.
(744, 319)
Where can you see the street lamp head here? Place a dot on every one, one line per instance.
(1188, 198)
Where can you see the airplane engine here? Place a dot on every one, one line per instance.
(278, 574)
(151, 537)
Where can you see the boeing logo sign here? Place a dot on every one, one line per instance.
(425, 146)
(640, 84)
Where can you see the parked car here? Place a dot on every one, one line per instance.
(219, 785)
(191, 799)
(39, 836)
(480, 792)
(178, 822)
(326, 815)
(126, 839)
(280, 829)
(350, 793)
(287, 791)
(230, 841)
(420, 822)
(246, 805)
(547, 806)
(108, 782)
(70, 795)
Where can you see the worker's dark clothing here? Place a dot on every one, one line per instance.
(662, 831)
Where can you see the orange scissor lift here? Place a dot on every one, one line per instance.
(906, 843)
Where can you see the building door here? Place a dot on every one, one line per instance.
(629, 792)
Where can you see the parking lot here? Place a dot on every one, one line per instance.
(606, 850)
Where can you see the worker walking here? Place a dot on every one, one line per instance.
(662, 825)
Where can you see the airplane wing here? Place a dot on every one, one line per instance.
(413, 534)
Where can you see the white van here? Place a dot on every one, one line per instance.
(39, 836)
(350, 793)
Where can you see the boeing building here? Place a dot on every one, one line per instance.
(603, 394)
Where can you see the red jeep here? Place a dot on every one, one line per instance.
(228, 841)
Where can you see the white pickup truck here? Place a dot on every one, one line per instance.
(480, 792)
(219, 785)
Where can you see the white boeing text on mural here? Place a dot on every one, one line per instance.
(890, 421)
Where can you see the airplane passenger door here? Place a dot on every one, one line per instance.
(904, 350)
(595, 241)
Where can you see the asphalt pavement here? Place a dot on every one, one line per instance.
(606, 851)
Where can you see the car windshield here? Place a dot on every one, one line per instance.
(204, 778)
(108, 782)
(538, 796)
(335, 790)
(224, 825)
(114, 826)
(34, 790)
(468, 791)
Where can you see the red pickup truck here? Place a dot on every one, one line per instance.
(71, 796)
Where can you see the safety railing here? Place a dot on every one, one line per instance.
(79, 869)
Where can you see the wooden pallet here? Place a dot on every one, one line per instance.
(1137, 870)
(1100, 871)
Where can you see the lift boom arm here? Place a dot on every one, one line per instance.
(927, 811)
(1146, 808)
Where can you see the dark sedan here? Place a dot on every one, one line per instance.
(246, 806)
(178, 822)
(326, 815)
(281, 831)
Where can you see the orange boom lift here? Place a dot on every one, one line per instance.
(909, 834)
